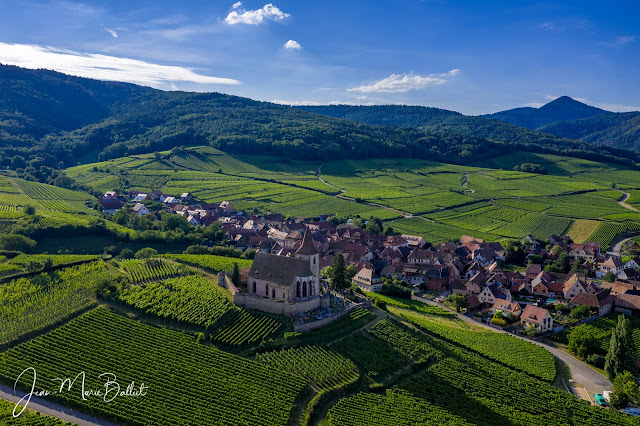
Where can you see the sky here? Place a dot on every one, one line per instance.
(468, 56)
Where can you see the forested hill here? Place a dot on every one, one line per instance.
(568, 118)
(441, 120)
(50, 120)
(563, 108)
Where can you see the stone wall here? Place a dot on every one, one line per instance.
(279, 307)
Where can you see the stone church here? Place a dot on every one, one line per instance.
(285, 284)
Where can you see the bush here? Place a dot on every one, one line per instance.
(291, 335)
(17, 242)
(498, 321)
(146, 253)
(596, 360)
(127, 254)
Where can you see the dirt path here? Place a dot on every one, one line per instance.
(582, 375)
(625, 197)
(465, 181)
(319, 174)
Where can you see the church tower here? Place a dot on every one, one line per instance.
(308, 251)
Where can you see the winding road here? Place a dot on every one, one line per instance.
(582, 375)
(625, 197)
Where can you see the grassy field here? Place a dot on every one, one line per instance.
(438, 201)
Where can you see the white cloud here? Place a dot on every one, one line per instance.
(113, 33)
(103, 67)
(621, 41)
(534, 104)
(292, 44)
(236, 5)
(618, 107)
(400, 83)
(78, 9)
(553, 27)
(256, 17)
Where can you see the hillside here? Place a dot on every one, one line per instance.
(93, 120)
(621, 130)
(439, 120)
(437, 200)
(563, 108)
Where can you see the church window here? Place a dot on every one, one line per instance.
(298, 290)
(304, 289)
(273, 293)
(254, 286)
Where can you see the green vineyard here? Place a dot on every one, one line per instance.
(193, 300)
(211, 262)
(244, 327)
(27, 305)
(188, 383)
(140, 271)
(324, 368)
(510, 350)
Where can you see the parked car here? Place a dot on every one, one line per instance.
(600, 400)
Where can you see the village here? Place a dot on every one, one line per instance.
(469, 275)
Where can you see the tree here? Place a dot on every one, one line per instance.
(350, 272)
(17, 242)
(146, 253)
(458, 301)
(609, 277)
(338, 273)
(235, 275)
(515, 255)
(583, 342)
(127, 254)
(63, 182)
(30, 210)
(620, 357)
(625, 390)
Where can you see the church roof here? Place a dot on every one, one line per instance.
(307, 248)
(280, 270)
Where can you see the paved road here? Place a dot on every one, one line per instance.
(49, 407)
(582, 374)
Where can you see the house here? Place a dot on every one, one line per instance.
(474, 302)
(507, 306)
(110, 206)
(414, 241)
(475, 284)
(473, 269)
(587, 251)
(612, 264)
(532, 271)
(140, 197)
(185, 197)
(395, 242)
(633, 263)
(170, 200)
(492, 292)
(227, 207)
(367, 280)
(602, 301)
(536, 317)
(572, 287)
(627, 303)
(192, 220)
(140, 209)
(110, 195)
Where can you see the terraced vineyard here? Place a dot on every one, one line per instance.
(516, 353)
(140, 271)
(376, 357)
(458, 386)
(393, 408)
(607, 231)
(211, 262)
(244, 327)
(188, 383)
(27, 305)
(324, 368)
(56, 259)
(494, 204)
(192, 300)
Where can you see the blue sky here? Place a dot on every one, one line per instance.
(469, 56)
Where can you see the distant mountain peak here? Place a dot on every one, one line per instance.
(568, 103)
